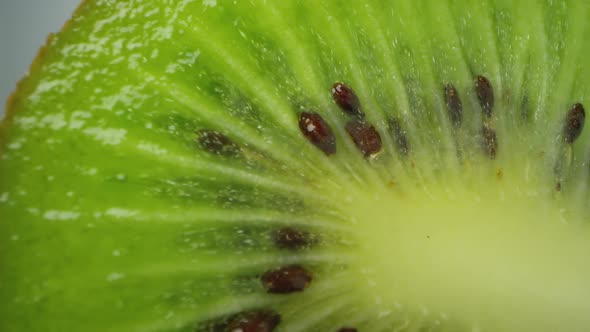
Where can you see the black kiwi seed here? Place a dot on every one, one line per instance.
(256, 321)
(217, 143)
(365, 136)
(574, 123)
(318, 132)
(558, 186)
(347, 329)
(490, 141)
(454, 105)
(345, 97)
(399, 134)
(485, 94)
(285, 280)
(291, 238)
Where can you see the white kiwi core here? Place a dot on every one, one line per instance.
(440, 251)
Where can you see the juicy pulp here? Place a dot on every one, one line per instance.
(113, 218)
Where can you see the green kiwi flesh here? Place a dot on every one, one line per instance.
(300, 166)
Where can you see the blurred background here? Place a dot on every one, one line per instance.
(24, 26)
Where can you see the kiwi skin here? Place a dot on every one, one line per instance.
(154, 231)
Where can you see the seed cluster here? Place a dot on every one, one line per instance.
(296, 278)
(485, 94)
(368, 140)
(363, 134)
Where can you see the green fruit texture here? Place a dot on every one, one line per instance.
(215, 165)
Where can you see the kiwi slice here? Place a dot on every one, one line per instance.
(301, 166)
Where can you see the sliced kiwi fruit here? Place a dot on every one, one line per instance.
(301, 166)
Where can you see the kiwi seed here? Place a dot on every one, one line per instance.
(485, 94)
(558, 186)
(217, 143)
(365, 136)
(454, 105)
(318, 132)
(347, 99)
(285, 280)
(490, 142)
(400, 137)
(347, 329)
(574, 123)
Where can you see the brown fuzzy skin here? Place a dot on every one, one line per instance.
(23, 86)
